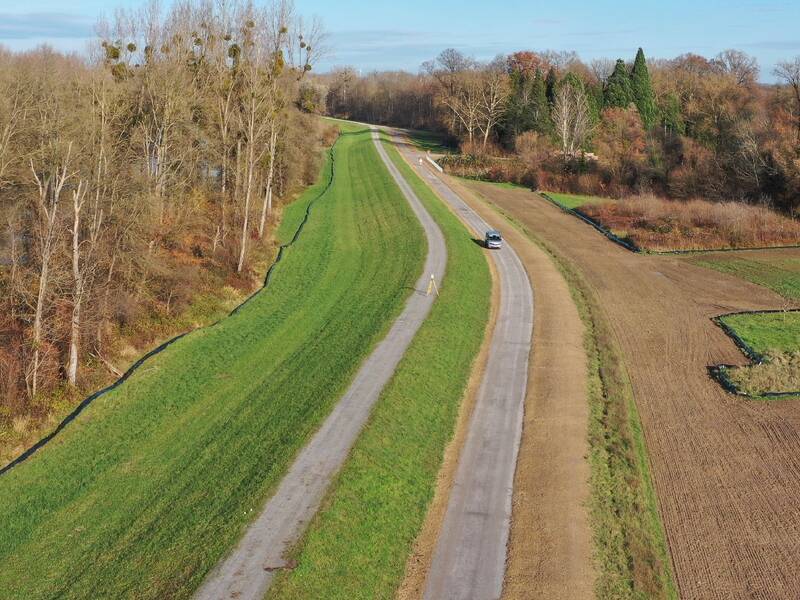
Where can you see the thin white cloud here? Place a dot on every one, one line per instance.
(20, 26)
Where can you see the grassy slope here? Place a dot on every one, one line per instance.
(148, 489)
(358, 545)
(576, 200)
(629, 539)
(776, 337)
(781, 275)
(430, 141)
(776, 332)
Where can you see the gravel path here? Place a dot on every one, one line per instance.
(247, 572)
(470, 556)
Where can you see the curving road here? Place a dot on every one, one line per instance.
(469, 560)
(247, 572)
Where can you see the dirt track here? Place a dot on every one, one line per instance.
(727, 471)
(550, 546)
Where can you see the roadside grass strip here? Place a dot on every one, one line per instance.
(630, 544)
(780, 274)
(430, 141)
(358, 543)
(573, 201)
(771, 339)
(150, 486)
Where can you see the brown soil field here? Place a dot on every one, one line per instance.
(727, 470)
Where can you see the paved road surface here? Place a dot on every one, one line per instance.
(726, 469)
(550, 545)
(247, 572)
(469, 560)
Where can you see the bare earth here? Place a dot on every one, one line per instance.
(727, 471)
(550, 547)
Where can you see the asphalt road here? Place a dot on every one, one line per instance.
(469, 560)
(247, 572)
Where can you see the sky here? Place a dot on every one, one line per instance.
(401, 34)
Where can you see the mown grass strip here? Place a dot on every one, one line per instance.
(573, 201)
(779, 273)
(144, 493)
(358, 544)
(765, 332)
(630, 543)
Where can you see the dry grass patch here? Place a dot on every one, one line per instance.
(661, 225)
(779, 373)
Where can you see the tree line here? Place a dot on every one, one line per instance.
(685, 127)
(130, 177)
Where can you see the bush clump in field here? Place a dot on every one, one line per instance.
(779, 373)
(487, 168)
(657, 224)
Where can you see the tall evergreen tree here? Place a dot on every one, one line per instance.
(671, 116)
(619, 91)
(594, 93)
(518, 116)
(550, 83)
(643, 91)
(540, 104)
(527, 108)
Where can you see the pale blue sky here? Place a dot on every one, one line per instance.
(401, 34)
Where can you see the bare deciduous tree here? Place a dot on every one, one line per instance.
(83, 268)
(572, 118)
(789, 72)
(50, 178)
(742, 67)
(494, 93)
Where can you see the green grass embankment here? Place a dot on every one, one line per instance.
(358, 544)
(767, 332)
(573, 201)
(777, 272)
(152, 484)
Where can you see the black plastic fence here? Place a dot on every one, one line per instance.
(720, 372)
(87, 401)
(629, 245)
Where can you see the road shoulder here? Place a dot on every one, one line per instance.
(550, 544)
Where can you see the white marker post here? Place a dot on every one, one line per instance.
(432, 286)
(433, 162)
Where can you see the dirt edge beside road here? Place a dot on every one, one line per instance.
(421, 556)
(550, 543)
(629, 545)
